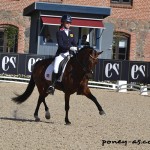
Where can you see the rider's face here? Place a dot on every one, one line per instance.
(67, 25)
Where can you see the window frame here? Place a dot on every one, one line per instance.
(121, 2)
(116, 49)
(4, 47)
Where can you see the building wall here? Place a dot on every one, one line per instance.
(133, 20)
(11, 13)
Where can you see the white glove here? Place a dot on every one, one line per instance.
(73, 48)
(69, 56)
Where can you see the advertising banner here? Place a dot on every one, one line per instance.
(105, 70)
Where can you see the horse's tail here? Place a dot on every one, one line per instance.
(21, 98)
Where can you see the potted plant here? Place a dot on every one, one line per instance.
(11, 32)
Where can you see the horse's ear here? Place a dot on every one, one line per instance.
(100, 52)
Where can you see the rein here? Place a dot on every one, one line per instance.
(84, 67)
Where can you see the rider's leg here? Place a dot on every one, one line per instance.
(55, 76)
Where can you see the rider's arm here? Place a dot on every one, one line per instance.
(73, 42)
(61, 43)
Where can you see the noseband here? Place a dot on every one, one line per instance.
(93, 57)
(84, 68)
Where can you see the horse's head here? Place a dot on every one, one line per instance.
(88, 57)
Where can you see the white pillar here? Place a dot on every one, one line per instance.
(122, 86)
(143, 90)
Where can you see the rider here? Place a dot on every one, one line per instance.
(66, 44)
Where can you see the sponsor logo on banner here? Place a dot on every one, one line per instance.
(138, 71)
(9, 63)
(31, 60)
(111, 70)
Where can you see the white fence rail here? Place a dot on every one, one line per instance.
(102, 85)
(142, 89)
(14, 79)
(93, 84)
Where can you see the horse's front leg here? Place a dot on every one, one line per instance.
(67, 98)
(89, 95)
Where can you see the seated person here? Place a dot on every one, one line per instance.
(48, 39)
(83, 41)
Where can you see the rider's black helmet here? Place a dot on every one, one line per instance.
(66, 18)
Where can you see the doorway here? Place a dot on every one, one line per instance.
(121, 45)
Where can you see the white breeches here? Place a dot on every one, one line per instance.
(58, 59)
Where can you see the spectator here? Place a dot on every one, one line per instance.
(83, 41)
(48, 39)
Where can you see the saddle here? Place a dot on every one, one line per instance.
(62, 65)
(50, 69)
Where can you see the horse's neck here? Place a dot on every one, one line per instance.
(77, 68)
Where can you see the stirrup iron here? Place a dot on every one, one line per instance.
(51, 90)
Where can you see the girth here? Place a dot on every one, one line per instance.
(62, 65)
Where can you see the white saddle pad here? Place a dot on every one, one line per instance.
(49, 71)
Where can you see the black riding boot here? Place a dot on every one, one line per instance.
(51, 88)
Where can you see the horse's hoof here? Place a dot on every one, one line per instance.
(47, 115)
(68, 123)
(37, 119)
(102, 113)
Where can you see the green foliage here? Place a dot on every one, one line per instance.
(11, 33)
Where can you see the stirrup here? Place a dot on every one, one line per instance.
(51, 90)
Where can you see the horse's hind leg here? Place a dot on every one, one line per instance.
(47, 113)
(37, 108)
(67, 97)
(89, 95)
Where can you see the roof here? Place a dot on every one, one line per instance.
(76, 22)
(76, 9)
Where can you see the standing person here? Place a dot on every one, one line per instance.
(66, 43)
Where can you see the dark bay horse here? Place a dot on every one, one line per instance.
(75, 79)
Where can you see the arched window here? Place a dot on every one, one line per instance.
(8, 38)
(121, 45)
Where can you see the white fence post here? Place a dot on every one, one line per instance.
(122, 86)
(143, 90)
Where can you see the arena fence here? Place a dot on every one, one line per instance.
(106, 73)
(143, 90)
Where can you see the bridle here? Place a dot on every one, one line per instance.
(93, 57)
(84, 68)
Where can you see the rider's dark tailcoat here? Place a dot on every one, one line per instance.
(64, 41)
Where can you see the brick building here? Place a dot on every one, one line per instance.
(130, 19)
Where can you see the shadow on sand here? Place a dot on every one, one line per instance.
(23, 120)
